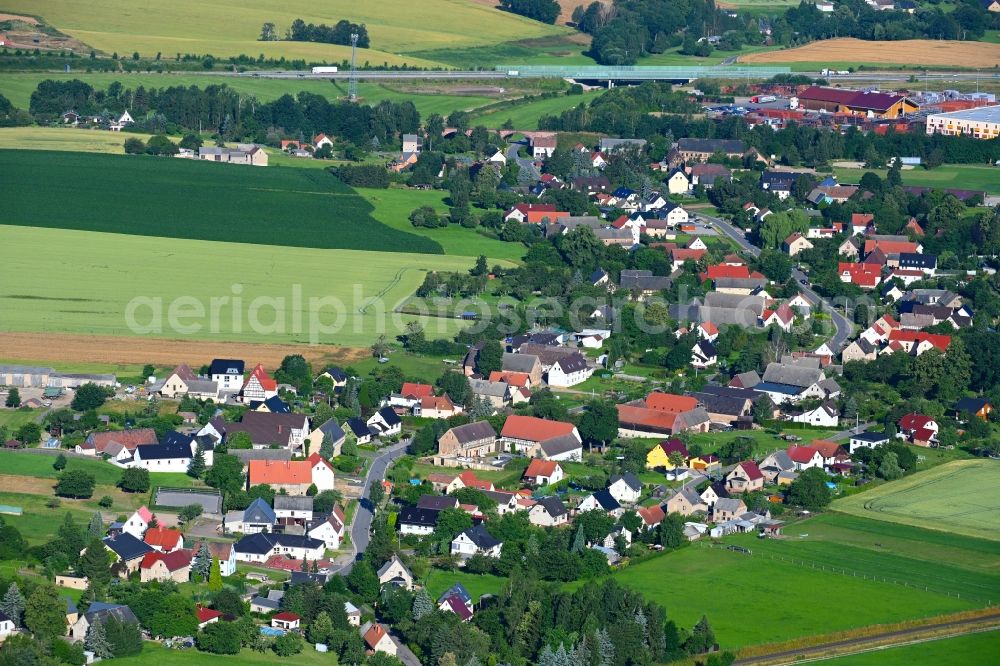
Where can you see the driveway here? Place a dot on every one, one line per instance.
(843, 327)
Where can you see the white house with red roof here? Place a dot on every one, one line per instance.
(866, 276)
(321, 140)
(164, 539)
(138, 522)
(745, 477)
(206, 616)
(783, 317)
(916, 343)
(259, 386)
(543, 472)
(796, 243)
(377, 639)
(532, 436)
(805, 457)
(918, 429)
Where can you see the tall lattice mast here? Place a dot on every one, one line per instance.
(352, 86)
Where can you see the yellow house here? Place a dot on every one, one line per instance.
(659, 455)
(704, 463)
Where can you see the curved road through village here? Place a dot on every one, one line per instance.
(842, 325)
(362, 523)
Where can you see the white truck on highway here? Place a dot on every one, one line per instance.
(324, 70)
(834, 72)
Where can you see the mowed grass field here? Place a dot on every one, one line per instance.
(957, 176)
(193, 199)
(756, 599)
(228, 28)
(525, 116)
(912, 52)
(84, 281)
(392, 207)
(18, 86)
(961, 497)
(154, 654)
(64, 139)
(981, 648)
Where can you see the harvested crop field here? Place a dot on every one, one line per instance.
(114, 350)
(904, 52)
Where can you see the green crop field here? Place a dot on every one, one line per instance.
(224, 29)
(981, 648)
(564, 48)
(957, 176)
(88, 279)
(193, 199)
(961, 497)
(18, 86)
(756, 599)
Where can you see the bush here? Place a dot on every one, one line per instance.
(190, 512)
(134, 480)
(76, 484)
(365, 175)
(134, 146)
(218, 638)
(288, 645)
(106, 502)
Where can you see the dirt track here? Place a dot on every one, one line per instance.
(67, 348)
(904, 52)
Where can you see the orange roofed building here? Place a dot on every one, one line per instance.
(292, 476)
(662, 414)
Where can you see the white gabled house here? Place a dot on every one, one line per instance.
(476, 541)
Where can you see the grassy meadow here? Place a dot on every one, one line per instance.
(18, 86)
(979, 648)
(13, 419)
(960, 497)
(525, 116)
(958, 176)
(65, 139)
(438, 582)
(756, 599)
(396, 28)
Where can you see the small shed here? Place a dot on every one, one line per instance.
(285, 620)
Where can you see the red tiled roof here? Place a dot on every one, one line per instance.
(519, 379)
(653, 419)
(413, 390)
(752, 471)
(890, 247)
(316, 459)
(470, 480)
(668, 402)
(801, 454)
(205, 614)
(923, 435)
(130, 439)
(914, 421)
(862, 219)
(725, 271)
(286, 616)
(173, 561)
(374, 635)
(683, 254)
(440, 403)
(538, 467)
(265, 380)
(652, 515)
(674, 445)
(709, 328)
(534, 429)
(164, 537)
(283, 472)
(941, 342)
(826, 448)
(863, 275)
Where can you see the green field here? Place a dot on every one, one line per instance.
(392, 207)
(40, 524)
(961, 497)
(106, 474)
(438, 582)
(225, 29)
(88, 278)
(525, 116)
(958, 176)
(195, 200)
(67, 139)
(13, 419)
(979, 648)
(755, 599)
(154, 654)
(564, 48)
(18, 86)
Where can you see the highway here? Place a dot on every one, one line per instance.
(841, 323)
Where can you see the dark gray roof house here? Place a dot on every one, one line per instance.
(481, 538)
(126, 546)
(418, 517)
(437, 502)
(553, 506)
(630, 479)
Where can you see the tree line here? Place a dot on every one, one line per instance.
(300, 31)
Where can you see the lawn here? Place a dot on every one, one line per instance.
(960, 496)
(39, 524)
(525, 116)
(175, 198)
(439, 581)
(261, 293)
(154, 654)
(392, 207)
(18, 86)
(755, 599)
(13, 419)
(979, 648)
(224, 29)
(958, 176)
(105, 474)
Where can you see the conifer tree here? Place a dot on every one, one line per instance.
(12, 604)
(97, 641)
